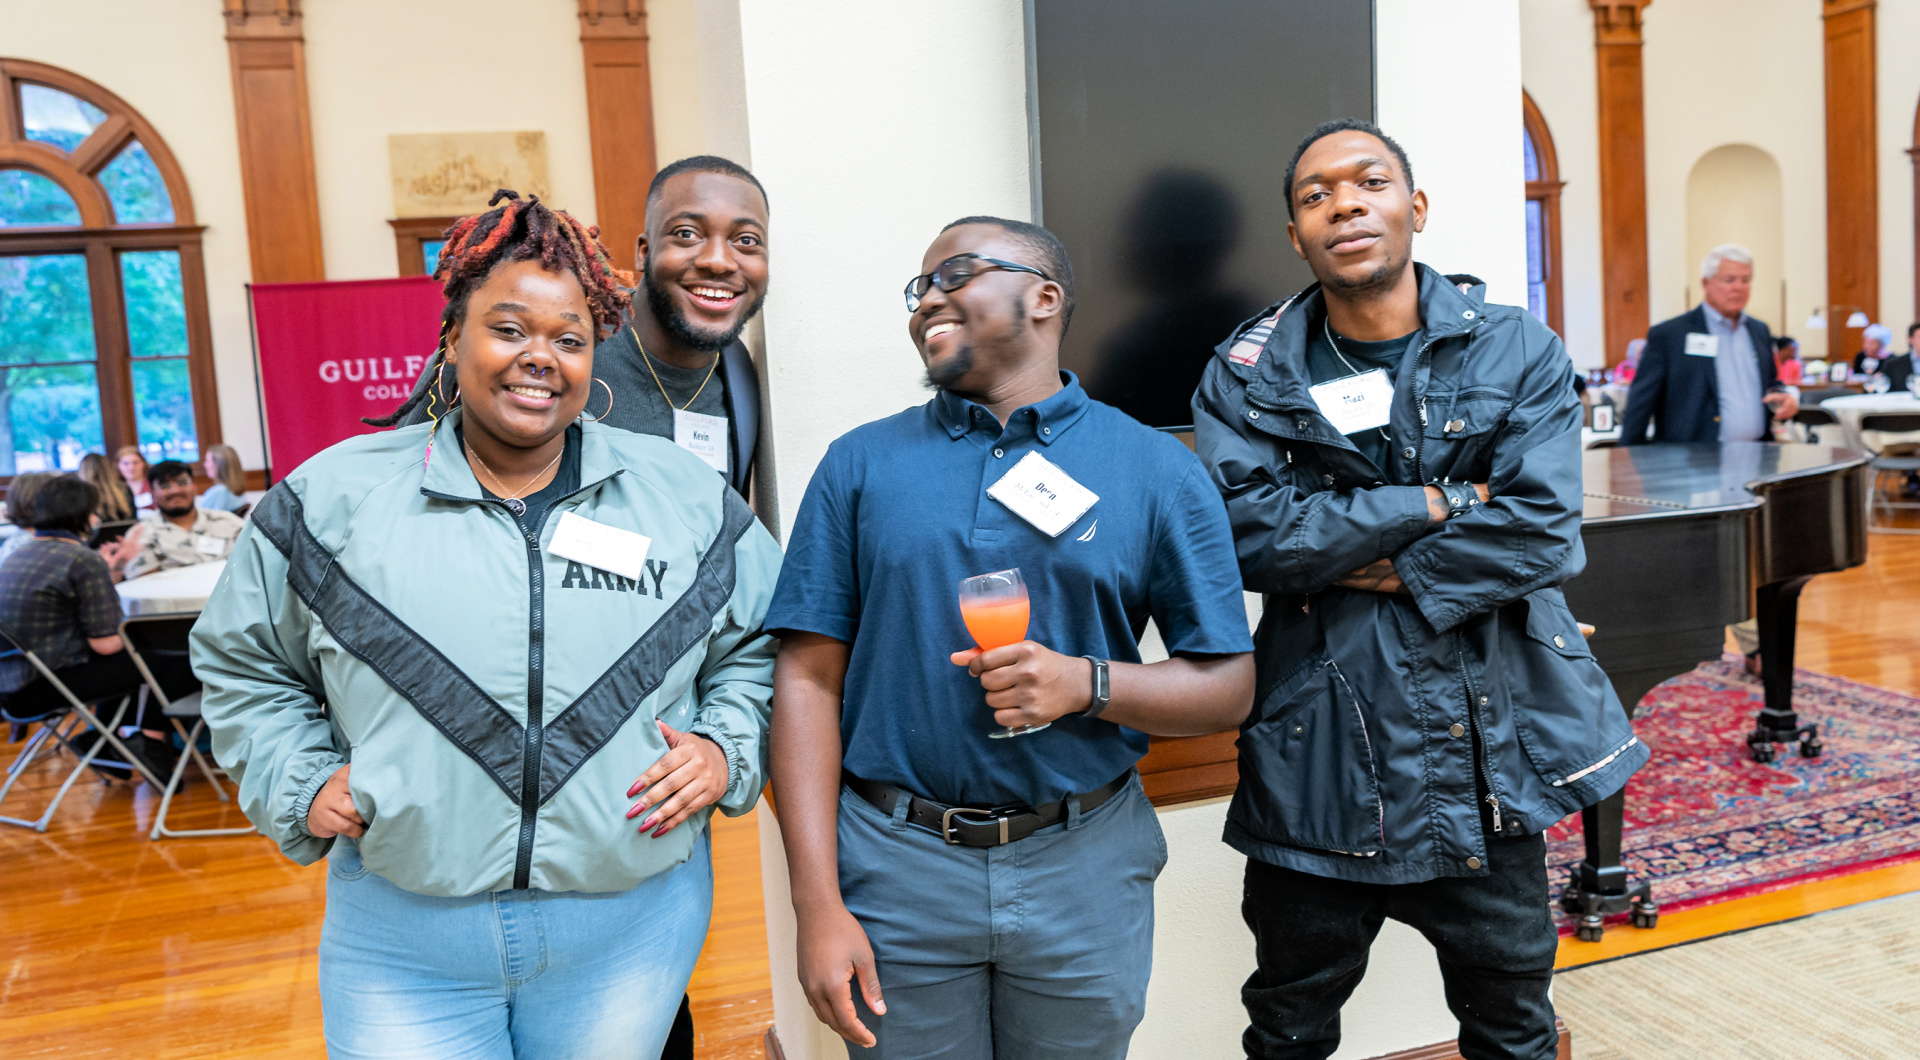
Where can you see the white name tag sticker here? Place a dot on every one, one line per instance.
(703, 436)
(1357, 402)
(1699, 345)
(210, 546)
(609, 548)
(1039, 492)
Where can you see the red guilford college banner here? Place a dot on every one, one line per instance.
(334, 351)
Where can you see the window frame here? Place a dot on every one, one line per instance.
(1546, 191)
(409, 235)
(100, 239)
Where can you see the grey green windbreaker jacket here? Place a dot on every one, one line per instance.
(495, 700)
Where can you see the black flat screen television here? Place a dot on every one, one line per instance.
(1160, 136)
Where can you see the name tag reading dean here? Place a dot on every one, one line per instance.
(1042, 494)
(703, 436)
(609, 548)
(1356, 403)
(1701, 345)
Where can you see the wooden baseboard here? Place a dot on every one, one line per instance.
(770, 1046)
(1451, 1050)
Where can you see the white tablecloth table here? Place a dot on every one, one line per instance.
(179, 589)
(1849, 410)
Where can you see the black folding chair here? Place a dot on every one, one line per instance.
(1808, 421)
(50, 721)
(1900, 468)
(150, 638)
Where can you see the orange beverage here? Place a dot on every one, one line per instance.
(996, 623)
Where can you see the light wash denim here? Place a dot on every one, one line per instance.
(507, 975)
(1040, 948)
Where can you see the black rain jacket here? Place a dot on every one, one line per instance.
(1391, 730)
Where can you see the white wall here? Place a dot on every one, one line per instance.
(1557, 69)
(1897, 31)
(168, 60)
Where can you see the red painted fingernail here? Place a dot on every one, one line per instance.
(631, 811)
(646, 824)
(662, 831)
(635, 790)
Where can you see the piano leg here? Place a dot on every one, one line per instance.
(1600, 887)
(1777, 606)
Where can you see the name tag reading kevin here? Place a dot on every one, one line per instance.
(1042, 494)
(703, 436)
(609, 548)
(1357, 402)
(1699, 345)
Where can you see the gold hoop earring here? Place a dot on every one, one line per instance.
(603, 415)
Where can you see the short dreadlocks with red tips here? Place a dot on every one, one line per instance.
(520, 230)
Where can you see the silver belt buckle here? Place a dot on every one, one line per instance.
(946, 823)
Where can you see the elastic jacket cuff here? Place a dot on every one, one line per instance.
(727, 747)
(303, 798)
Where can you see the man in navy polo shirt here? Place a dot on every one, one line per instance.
(993, 897)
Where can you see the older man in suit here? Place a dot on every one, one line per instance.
(1708, 374)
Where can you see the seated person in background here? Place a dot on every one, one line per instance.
(179, 534)
(226, 494)
(1873, 352)
(134, 471)
(57, 596)
(1786, 360)
(20, 496)
(1900, 367)
(116, 500)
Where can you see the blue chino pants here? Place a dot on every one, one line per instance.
(507, 975)
(1040, 948)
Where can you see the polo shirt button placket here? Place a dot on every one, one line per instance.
(998, 453)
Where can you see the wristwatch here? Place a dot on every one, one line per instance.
(1102, 688)
(1461, 497)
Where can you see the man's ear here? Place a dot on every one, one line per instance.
(1048, 300)
(1419, 210)
(640, 252)
(1293, 236)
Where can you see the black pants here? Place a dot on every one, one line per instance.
(1493, 933)
(104, 679)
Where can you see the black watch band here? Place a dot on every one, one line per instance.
(1102, 688)
(1461, 497)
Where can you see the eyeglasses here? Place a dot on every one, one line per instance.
(958, 271)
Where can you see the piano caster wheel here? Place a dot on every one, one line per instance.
(1761, 751)
(1811, 748)
(1646, 915)
(1590, 928)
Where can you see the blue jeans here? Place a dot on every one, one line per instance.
(1040, 948)
(535, 975)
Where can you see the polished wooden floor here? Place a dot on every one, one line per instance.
(112, 945)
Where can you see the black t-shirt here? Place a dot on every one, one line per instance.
(1323, 364)
(565, 481)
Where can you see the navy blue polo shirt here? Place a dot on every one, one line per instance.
(898, 513)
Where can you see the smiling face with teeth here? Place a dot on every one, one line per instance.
(523, 356)
(1002, 326)
(703, 262)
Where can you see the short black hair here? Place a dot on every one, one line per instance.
(703, 164)
(1913, 327)
(1047, 246)
(1328, 128)
(66, 503)
(21, 492)
(1781, 342)
(167, 471)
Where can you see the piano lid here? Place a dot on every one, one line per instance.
(1651, 481)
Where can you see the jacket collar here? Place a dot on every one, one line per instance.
(1050, 418)
(448, 476)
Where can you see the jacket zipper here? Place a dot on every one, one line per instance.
(535, 729)
(1484, 763)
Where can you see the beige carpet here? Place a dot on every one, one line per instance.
(1842, 985)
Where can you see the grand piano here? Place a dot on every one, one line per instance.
(1683, 540)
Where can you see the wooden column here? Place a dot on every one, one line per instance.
(613, 41)
(1853, 185)
(1623, 173)
(268, 53)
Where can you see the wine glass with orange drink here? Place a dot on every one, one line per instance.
(995, 608)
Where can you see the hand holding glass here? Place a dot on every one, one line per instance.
(995, 609)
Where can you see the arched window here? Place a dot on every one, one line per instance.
(103, 297)
(1543, 216)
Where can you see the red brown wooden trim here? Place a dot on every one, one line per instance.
(1623, 172)
(1451, 1050)
(1853, 183)
(12, 70)
(613, 41)
(268, 55)
(1180, 769)
(1547, 191)
(408, 235)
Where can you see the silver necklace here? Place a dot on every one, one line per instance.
(512, 500)
(1327, 329)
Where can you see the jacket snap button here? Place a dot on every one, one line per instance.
(1456, 730)
(1559, 641)
(1407, 452)
(1328, 479)
(998, 453)
(1298, 729)
(1457, 425)
(1253, 414)
(1483, 701)
(1300, 426)
(1473, 863)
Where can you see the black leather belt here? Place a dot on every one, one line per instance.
(970, 826)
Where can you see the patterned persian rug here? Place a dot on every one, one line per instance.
(1705, 823)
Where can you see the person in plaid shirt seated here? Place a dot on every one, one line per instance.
(178, 534)
(57, 597)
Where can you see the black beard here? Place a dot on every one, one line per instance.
(954, 370)
(174, 513)
(679, 328)
(1380, 279)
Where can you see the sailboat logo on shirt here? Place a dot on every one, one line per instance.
(1088, 536)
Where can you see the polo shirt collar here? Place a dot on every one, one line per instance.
(1049, 419)
(62, 535)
